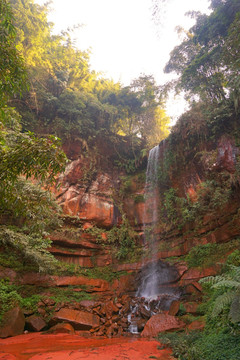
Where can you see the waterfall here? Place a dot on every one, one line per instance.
(154, 293)
(149, 284)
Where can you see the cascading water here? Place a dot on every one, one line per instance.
(154, 293)
(148, 287)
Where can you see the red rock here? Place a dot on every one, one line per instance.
(134, 211)
(94, 208)
(62, 328)
(70, 252)
(174, 308)
(42, 312)
(95, 204)
(77, 260)
(180, 251)
(13, 323)
(181, 268)
(196, 274)
(160, 323)
(7, 273)
(191, 192)
(80, 320)
(141, 323)
(191, 307)
(128, 267)
(6, 356)
(112, 330)
(87, 225)
(124, 284)
(95, 285)
(47, 301)
(35, 323)
(73, 347)
(87, 303)
(36, 279)
(196, 325)
(226, 157)
(110, 308)
(192, 289)
(104, 236)
(85, 241)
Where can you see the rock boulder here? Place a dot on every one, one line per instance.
(13, 323)
(80, 320)
(160, 323)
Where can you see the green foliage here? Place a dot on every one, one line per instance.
(121, 238)
(41, 158)
(10, 297)
(209, 254)
(218, 347)
(199, 255)
(181, 344)
(23, 155)
(30, 207)
(66, 98)
(197, 346)
(68, 295)
(207, 59)
(234, 258)
(11, 258)
(106, 273)
(210, 195)
(12, 72)
(229, 284)
(139, 198)
(33, 248)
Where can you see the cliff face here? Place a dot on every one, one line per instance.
(198, 227)
(96, 196)
(203, 184)
(102, 238)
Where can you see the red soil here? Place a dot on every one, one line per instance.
(72, 347)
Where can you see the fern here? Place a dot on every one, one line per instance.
(230, 284)
(234, 312)
(222, 301)
(33, 249)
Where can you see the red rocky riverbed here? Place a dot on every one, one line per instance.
(38, 346)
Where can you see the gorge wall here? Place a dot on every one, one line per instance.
(199, 223)
(198, 201)
(102, 242)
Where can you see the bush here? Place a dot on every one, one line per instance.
(218, 347)
(202, 346)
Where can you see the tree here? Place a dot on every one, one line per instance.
(12, 72)
(22, 204)
(141, 110)
(202, 59)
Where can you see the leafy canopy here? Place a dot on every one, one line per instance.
(26, 211)
(207, 61)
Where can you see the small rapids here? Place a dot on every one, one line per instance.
(155, 294)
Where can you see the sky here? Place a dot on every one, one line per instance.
(122, 37)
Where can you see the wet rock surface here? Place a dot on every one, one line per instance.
(72, 347)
